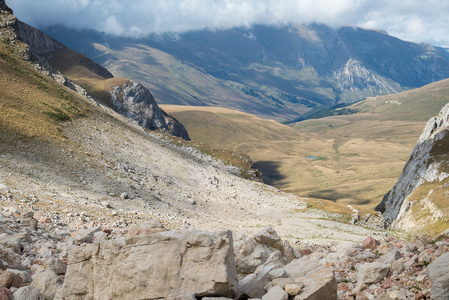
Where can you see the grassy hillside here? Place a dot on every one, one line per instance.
(352, 159)
(30, 104)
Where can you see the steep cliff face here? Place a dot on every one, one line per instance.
(420, 197)
(134, 101)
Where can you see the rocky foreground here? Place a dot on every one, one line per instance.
(45, 257)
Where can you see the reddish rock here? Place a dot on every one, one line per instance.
(5, 294)
(45, 220)
(387, 283)
(9, 279)
(106, 229)
(370, 243)
(306, 251)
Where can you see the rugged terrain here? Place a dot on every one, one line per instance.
(93, 205)
(272, 72)
(418, 201)
(352, 158)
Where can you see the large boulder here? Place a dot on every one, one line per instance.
(48, 283)
(160, 265)
(320, 285)
(370, 273)
(438, 272)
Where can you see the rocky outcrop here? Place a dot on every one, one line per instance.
(159, 265)
(413, 202)
(134, 101)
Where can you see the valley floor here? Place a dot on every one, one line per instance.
(115, 173)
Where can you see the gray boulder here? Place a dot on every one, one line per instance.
(320, 285)
(370, 273)
(275, 293)
(48, 283)
(390, 257)
(438, 272)
(28, 293)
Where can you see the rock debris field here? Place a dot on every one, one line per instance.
(116, 212)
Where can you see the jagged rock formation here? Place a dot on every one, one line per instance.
(417, 200)
(136, 102)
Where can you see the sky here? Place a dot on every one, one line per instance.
(410, 20)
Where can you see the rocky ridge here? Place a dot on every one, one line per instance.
(424, 177)
(36, 47)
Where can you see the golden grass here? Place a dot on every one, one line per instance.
(30, 104)
(359, 157)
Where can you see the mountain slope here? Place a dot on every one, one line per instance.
(62, 153)
(274, 72)
(418, 201)
(351, 158)
(135, 101)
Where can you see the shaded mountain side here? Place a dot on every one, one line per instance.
(137, 103)
(273, 72)
(418, 201)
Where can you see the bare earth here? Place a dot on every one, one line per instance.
(102, 158)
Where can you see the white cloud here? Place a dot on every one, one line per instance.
(416, 20)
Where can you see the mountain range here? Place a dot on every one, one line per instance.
(273, 72)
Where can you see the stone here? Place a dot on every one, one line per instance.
(282, 282)
(160, 265)
(9, 279)
(31, 223)
(254, 285)
(398, 266)
(277, 273)
(99, 235)
(275, 293)
(5, 294)
(438, 272)
(303, 266)
(124, 196)
(9, 259)
(57, 265)
(47, 282)
(398, 295)
(370, 243)
(136, 102)
(150, 227)
(370, 273)
(86, 236)
(249, 254)
(28, 215)
(106, 204)
(28, 293)
(391, 256)
(268, 236)
(292, 289)
(320, 285)
(45, 220)
(343, 254)
(24, 275)
(413, 260)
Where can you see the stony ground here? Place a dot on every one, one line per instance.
(114, 173)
